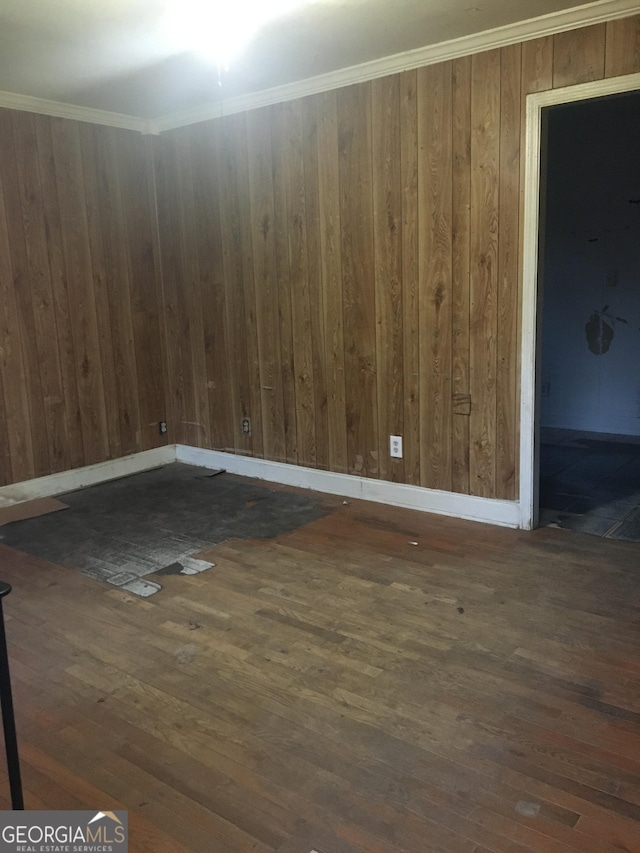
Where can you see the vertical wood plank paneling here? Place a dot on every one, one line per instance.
(387, 221)
(95, 215)
(266, 284)
(184, 392)
(331, 278)
(117, 286)
(73, 217)
(193, 209)
(485, 169)
(508, 273)
(338, 269)
(30, 366)
(39, 283)
(292, 145)
(332, 187)
(55, 251)
(5, 451)
(62, 228)
(460, 285)
(162, 354)
(179, 363)
(279, 134)
(356, 216)
(578, 56)
(167, 189)
(435, 212)
(537, 67)
(16, 401)
(410, 283)
(314, 273)
(144, 288)
(208, 239)
(622, 51)
(249, 281)
(232, 260)
(198, 424)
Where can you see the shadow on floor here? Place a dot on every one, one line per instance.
(590, 483)
(130, 532)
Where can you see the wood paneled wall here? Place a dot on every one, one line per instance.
(338, 268)
(346, 266)
(81, 367)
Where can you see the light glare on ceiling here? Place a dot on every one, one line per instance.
(221, 30)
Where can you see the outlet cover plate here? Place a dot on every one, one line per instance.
(395, 446)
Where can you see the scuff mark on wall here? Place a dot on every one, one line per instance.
(599, 334)
(600, 330)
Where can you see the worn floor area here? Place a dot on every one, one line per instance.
(590, 483)
(339, 689)
(134, 531)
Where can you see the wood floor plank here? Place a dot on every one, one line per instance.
(340, 685)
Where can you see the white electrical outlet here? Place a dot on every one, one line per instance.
(395, 446)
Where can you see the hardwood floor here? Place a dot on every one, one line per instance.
(379, 680)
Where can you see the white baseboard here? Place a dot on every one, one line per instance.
(488, 510)
(90, 475)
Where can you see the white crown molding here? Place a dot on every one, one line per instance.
(25, 103)
(544, 25)
(487, 510)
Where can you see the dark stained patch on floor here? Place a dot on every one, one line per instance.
(153, 523)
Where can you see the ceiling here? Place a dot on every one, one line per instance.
(118, 55)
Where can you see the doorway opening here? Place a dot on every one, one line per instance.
(589, 404)
(580, 380)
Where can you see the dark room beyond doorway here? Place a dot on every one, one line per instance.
(590, 382)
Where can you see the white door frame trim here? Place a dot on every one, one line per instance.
(529, 345)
